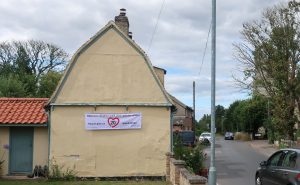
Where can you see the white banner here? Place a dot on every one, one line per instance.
(108, 121)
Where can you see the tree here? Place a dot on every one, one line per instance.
(202, 125)
(220, 112)
(230, 123)
(270, 54)
(28, 61)
(204, 122)
(11, 87)
(48, 83)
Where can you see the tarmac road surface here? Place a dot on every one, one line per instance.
(236, 162)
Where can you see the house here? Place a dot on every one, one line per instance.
(110, 115)
(23, 135)
(183, 117)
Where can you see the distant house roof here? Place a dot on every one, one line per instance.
(179, 102)
(26, 111)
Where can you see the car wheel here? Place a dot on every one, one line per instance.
(258, 180)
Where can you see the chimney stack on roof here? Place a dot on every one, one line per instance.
(122, 22)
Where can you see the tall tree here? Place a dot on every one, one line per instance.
(220, 113)
(270, 53)
(28, 61)
(230, 123)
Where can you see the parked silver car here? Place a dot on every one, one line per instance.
(282, 168)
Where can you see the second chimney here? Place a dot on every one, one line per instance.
(122, 21)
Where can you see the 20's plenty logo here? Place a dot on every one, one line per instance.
(113, 122)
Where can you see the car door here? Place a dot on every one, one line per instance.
(270, 173)
(287, 172)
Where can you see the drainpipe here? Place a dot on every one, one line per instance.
(49, 133)
(171, 130)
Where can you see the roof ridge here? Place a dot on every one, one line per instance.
(110, 25)
(178, 101)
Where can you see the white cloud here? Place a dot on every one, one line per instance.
(178, 44)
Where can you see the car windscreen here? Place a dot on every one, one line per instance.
(187, 136)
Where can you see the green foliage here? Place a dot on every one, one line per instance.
(193, 157)
(48, 83)
(202, 125)
(220, 113)
(270, 53)
(282, 145)
(246, 115)
(60, 172)
(24, 68)
(10, 86)
(230, 121)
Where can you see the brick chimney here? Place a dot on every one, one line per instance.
(122, 21)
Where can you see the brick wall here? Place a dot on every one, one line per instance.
(177, 174)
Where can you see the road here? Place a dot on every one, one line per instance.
(236, 162)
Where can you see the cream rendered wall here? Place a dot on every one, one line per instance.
(139, 152)
(40, 149)
(4, 140)
(111, 71)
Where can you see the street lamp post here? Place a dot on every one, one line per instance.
(212, 169)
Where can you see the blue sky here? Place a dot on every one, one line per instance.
(177, 46)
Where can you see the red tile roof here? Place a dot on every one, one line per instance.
(23, 111)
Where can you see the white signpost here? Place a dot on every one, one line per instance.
(112, 121)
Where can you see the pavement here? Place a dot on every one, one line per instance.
(263, 147)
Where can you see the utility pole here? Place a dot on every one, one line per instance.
(222, 124)
(212, 170)
(194, 107)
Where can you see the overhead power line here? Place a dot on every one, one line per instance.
(156, 25)
(205, 48)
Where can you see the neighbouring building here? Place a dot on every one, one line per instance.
(110, 78)
(23, 135)
(183, 116)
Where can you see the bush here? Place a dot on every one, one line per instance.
(193, 157)
(58, 172)
(242, 136)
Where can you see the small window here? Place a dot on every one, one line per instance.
(275, 159)
(290, 159)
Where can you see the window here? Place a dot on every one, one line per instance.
(289, 160)
(276, 159)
